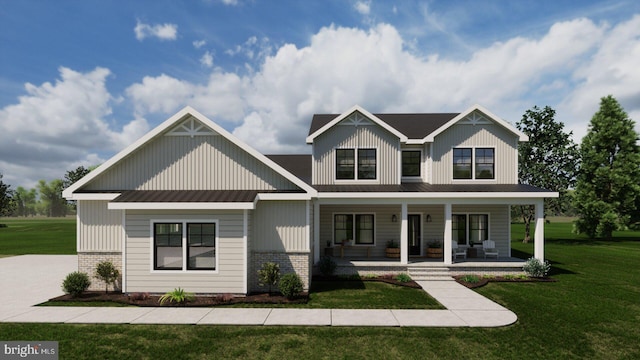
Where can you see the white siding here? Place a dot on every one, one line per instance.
(281, 226)
(499, 223)
(465, 135)
(346, 136)
(139, 256)
(99, 229)
(186, 163)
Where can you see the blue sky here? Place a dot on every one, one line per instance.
(80, 80)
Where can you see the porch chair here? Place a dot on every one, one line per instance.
(457, 251)
(489, 248)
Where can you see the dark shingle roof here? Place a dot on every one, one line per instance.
(298, 165)
(195, 196)
(413, 126)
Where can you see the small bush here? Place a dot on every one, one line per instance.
(76, 283)
(178, 296)
(489, 277)
(108, 273)
(327, 266)
(290, 285)
(403, 278)
(269, 275)
(370, 276)
(139, 296)
(224, 298)
(509, 277)
(536, 268)
(471, 279)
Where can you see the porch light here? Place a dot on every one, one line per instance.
(394, 218)
(428, 218)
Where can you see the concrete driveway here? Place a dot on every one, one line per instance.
(28, 280)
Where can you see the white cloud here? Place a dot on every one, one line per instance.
(252, 49)
(363, 7)
(55, 126)
(161, 31)
(230, 2)
(199, 43)
(207, 59)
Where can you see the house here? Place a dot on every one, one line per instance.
(191, 205)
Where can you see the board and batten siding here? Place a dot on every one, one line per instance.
(356, 137)
(230, 251)
(467, 135)
(190, 163)
(280, 226)
(99, 229)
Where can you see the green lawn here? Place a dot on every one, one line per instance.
(38, 236)
(591, 312)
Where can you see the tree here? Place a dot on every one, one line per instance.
(108, 273)
(51, 197)
(25, 201)
(548, 160)
(6, 198)
(73, 176)
(607, 190)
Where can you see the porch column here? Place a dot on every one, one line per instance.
(538, 237)
(404, 235)
(447, 234)
(316, 231)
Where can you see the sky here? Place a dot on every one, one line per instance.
(81, 80)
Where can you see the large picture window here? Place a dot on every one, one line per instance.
(356, 227)
(478, 163)
(470, 229)
(347, 159)
(411, 161)
(172, 240)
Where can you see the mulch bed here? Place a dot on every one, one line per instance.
(389, 279)
(484, 281)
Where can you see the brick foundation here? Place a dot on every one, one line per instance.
(87, 263)
(289, 262)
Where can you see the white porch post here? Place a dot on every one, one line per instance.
(447, 234)
(538, 240)
(316, 231)
(404, 235)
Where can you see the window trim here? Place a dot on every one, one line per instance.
(184, 269)
(473, 177)
(467, 216)
(354, 229)
(356, 178)
(420, 165)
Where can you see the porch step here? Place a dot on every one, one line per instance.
(430, 273)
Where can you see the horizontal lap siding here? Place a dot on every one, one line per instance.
(499, 223)
(464, 135)
(230, 276)
(344, 136)
(186, 163)
(99, 229)
(281, 226)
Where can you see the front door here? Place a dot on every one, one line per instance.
(415, 232)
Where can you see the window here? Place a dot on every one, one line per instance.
(346, 164)
(170, 240)
(470, 228)
(411, 161)
(357, 227)
(483, 167)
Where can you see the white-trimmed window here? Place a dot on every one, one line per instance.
(474, 163)
(470, 229)
(359, 228)
(356, 164)
(185, 245)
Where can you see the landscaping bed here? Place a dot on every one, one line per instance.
(476, 281)
(389, 279)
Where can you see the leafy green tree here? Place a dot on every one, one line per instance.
(73, 176)
(107, 272)
(607, 190)
(548, 160)
(6, 198)
(25, 201)
(51, 196)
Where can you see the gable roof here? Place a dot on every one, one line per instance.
(417, 128)
(161, 129)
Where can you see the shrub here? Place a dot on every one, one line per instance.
(108, 273)
(139, 296)
(76, 283)
(471, 279)
(290, 285)
(327, 266)
(178, 296)
(536, 268)
(403, 278)
(269, 275)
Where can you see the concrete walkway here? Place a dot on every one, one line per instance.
(32, 279)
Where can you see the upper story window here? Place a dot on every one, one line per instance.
(347, 159)
(411, 160)
(465, 167)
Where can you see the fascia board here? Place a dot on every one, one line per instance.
(93, 196)
(181, 206)
(438, 195)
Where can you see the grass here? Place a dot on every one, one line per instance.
(38, 236)
(591, 312)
